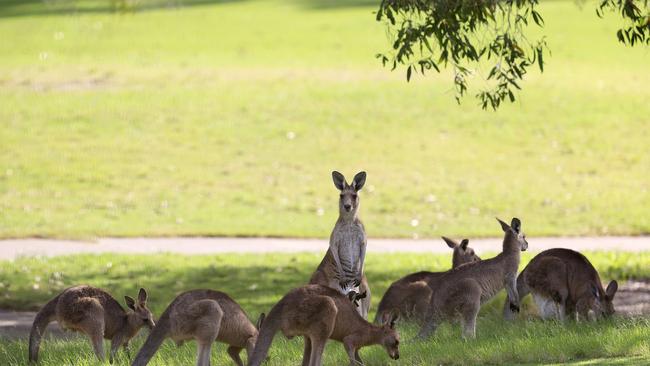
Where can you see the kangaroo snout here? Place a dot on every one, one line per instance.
(347, 207)
(395, 356)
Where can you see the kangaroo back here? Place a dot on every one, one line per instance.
(44, 317)
(154, 340)
(270, 326)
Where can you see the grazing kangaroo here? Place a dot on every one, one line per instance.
(410, 295)
(342, 266)
(204, 315)
(464, 289)
(563, 282)
(95, 312)
(318, 313)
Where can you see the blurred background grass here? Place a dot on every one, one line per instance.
(227, 117)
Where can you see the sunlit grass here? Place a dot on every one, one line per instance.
(227, 120)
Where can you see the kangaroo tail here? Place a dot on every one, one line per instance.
(270, 326)
(44, 317)
(158, 334)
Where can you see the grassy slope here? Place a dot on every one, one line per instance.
(175, 122)
(258, 281)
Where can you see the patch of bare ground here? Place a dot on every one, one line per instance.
(633, 298)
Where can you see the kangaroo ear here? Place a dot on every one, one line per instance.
(260, 321)
(595, 292)
(516, 225)
(611, 289)
(339, 180)
(452, 244)
(142, 296)
(393, 319)
(130, 303)
(464, 243)
(504, 226)
(358, 181)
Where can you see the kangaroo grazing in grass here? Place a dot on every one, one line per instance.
(318, 313)
(563, 282)
(95, 312)
(410, 295)
(462, 291)
(204, 315)
(342, 266)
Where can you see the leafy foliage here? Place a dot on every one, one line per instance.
(637, 16)
(430, 34)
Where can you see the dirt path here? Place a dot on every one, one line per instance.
(10, 249)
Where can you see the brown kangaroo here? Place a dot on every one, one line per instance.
(95, 312)
(204, 315)
(342, 267)
(318, 313)
(410, 295)
(464, 289)
(563, 282)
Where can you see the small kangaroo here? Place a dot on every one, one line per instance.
(410, 295)
(563, 282)
(464, 289)
(95, 312)
(342, 266)
(318, 313)
(204, 315)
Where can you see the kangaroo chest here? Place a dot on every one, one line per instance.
(350, 238)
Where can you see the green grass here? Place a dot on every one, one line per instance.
(258, 281)
(176, 122)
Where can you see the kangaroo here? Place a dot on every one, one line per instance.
(95, 312)
(204, 315)
(342, 266)
(563, 282)
(464, 289)
(318, 313)
(409, 296)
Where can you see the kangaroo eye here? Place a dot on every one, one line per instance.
(144, 320)
(341, 196)
(354, 196)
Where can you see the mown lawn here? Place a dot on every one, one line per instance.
(258, 281)
(227, 118)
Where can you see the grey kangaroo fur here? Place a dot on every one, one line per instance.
(318, 313)
(410, 295)
(96, 313)
(564, 283)
(206, 316)
(464, 289)
(342, 266)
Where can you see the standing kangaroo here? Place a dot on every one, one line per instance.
(342, 266)
(95, 312)
(464, 289)
(318, 313)
(206, 316)
(410, 295)
(563, 282)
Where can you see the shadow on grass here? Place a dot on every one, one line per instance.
(17, 8)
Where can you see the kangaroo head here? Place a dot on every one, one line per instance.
(603, 304)
(462, 252)
(513, 235)
(140, 315)
(389, 335)
(349, 199)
